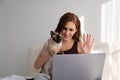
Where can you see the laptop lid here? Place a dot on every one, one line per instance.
(78, 66)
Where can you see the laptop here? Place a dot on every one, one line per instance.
(78, 66)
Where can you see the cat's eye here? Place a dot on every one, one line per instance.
(55, 38)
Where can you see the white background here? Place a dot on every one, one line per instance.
(25, 23)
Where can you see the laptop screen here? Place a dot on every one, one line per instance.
(78, 66)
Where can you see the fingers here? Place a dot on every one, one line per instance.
(87, 42)
(87, 38)
(84, 38)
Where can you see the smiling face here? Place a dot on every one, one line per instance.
(68, 31)
(69, 27)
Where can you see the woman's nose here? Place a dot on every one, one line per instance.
(67, 32)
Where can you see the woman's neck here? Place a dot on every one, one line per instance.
(67, 44)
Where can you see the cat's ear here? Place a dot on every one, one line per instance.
(52, 33)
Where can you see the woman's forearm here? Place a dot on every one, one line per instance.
(41, 59)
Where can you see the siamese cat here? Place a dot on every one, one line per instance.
(54, 42)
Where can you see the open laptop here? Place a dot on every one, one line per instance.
(78, 66)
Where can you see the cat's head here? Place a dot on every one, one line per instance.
(56, 37)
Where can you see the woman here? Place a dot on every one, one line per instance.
(69, 27)
(72, 42)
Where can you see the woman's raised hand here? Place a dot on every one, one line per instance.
(86, 43)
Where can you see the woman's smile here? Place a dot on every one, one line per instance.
(68, 31)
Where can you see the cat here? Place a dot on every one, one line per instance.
(55, 41)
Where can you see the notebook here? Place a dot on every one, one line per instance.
(78, 66)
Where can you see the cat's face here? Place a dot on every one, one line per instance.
(56, 37)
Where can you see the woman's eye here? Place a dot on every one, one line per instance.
(64, 28)
(68, 29)
(71, 29)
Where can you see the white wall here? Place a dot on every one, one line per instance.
(24, 23)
